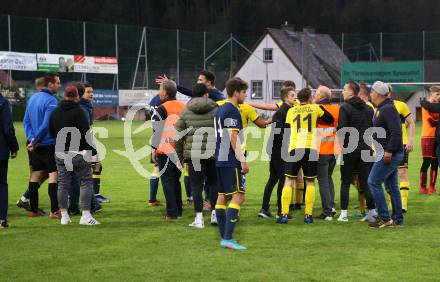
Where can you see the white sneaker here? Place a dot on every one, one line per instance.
(328, 218)
(197, 224)
(89, 220)
(65, 220)
(370, 217)
(213, 218)
(342, 218)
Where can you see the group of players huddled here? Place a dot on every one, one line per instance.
(309, 134)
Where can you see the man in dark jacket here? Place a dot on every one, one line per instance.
(389, 155)
(197, 148)
(87, 105)
(205, 77)
(8, 148)
(354, 114)
(276, 165)
(74, 192)
(68, 123)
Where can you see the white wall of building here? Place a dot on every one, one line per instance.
(414, 102)
(281, 68)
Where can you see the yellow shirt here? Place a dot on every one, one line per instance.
(404, 112)
(371, 105)
(247, 112)
(302, 120)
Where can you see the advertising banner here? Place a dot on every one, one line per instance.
(55, 63)
(18, 61)
(89, 64)
(105, 98)
(136, 97)
(410, 71)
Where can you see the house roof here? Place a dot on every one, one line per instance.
(322, 57)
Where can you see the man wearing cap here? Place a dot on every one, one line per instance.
(388, 157)
(73, 153)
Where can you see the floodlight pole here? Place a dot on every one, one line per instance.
(423, 46)
(117, 75)
(231, 55)
(116, 81)
(204, 50)
(146, 58)
(10, 48)
(145, 79)
(47, 36)
(342, 42)
(381, 46)
(178, 59)
(84, 76)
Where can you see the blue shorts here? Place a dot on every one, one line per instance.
(230, 181)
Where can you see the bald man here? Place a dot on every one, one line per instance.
(327, 151)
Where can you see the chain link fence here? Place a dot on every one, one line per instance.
(144, 53)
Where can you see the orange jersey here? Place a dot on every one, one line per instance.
(428, 123)
(327, 132)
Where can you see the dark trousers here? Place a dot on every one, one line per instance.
(74, 192)
(276, 174)
(197, 176)
(170, 179)
(326, 165)
(3, 189)
(354, 161)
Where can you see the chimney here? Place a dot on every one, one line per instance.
(287, 27)
(309, 29)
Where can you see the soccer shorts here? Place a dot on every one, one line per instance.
(308, 162)
(404, 163)
(43, 158)
(230, 181)
(428, 148)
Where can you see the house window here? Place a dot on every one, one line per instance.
(276, 88)
(268, 55)
(257, 89)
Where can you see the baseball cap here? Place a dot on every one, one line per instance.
(380, 88)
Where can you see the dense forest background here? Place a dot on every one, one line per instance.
(243, 17)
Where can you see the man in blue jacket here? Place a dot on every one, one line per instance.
(389, 152)
(8, 148)
(41, 144)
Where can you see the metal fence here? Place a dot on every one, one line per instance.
(144, 52)
(180, 54)
(390, 46)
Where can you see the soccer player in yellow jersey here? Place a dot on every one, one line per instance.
(408, 143)
(298, 196)
(302, 152)
(247, 113)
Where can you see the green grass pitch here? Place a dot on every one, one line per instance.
(135, 244)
